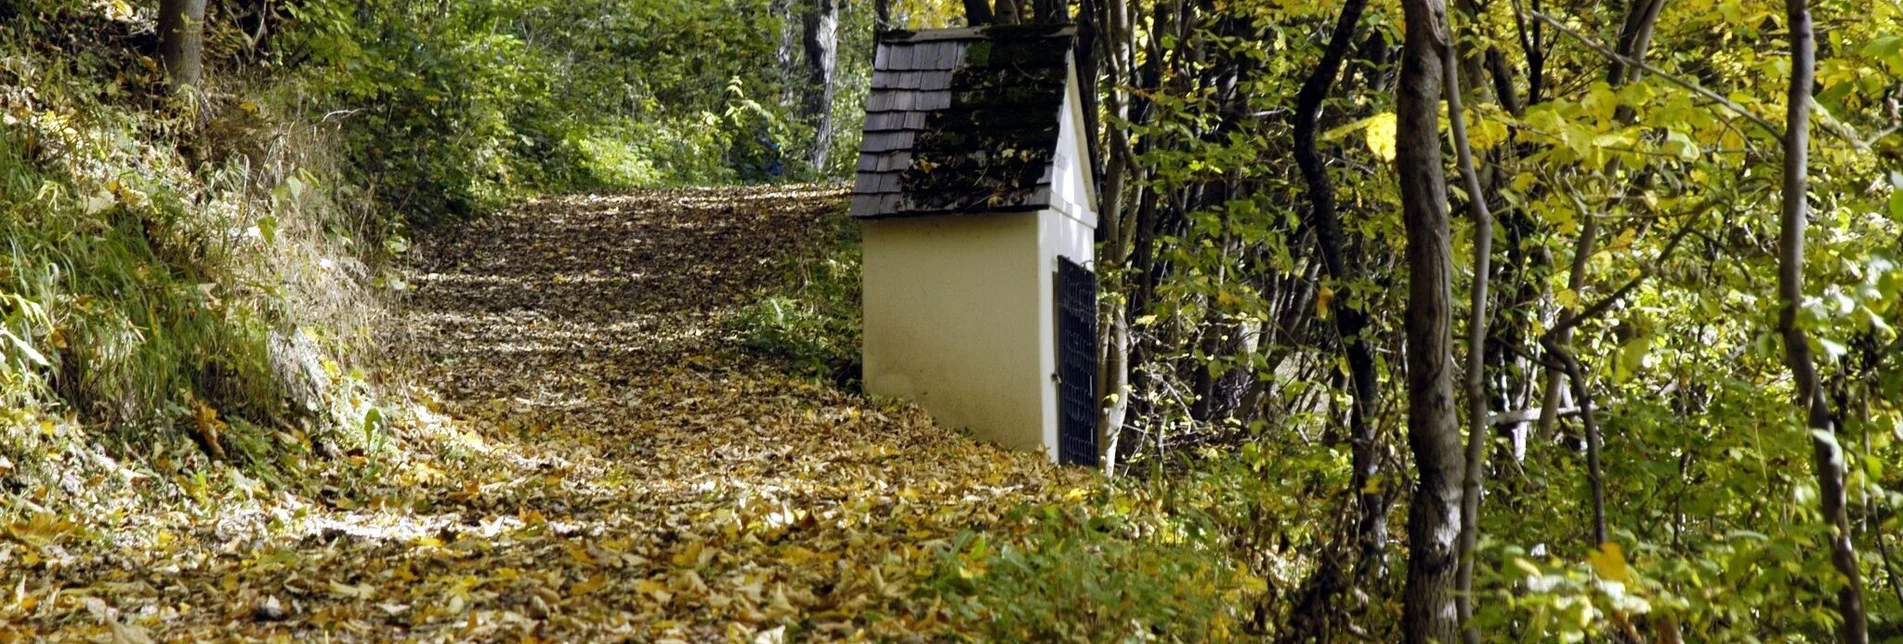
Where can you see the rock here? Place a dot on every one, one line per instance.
(269, 610)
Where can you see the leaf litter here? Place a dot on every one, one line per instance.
(592, 459)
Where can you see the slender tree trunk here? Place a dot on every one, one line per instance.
(1595, 444)
(1828, 457)
(1477, 429)
(821, 41)
(1351, 324)
(787, 54)
(1635, 36)
(182, 40)
(882, 16)
(1048, 12)
(1428, 611)
(1005, 12)
(977, 12)
(1110, 19)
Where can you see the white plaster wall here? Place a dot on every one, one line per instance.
(957, 317)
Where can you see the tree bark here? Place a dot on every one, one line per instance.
(1477, 428)
(1351, 324)
(977, 13)
(1827, 455)
(1428, 611)
(785, 56)
(821, 42)
(1110, 21)
(1005, 12)
(1048, 12)
(182, 41)
(1635, 36)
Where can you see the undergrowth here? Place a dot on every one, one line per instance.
(811, 319)
(1110, 568)
(186, 279)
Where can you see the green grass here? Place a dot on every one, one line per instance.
(179, 278)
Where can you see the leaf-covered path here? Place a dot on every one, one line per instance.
(608, 466)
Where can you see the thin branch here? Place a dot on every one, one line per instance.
(1603, 304)
(1775, 131)
(1527, 415)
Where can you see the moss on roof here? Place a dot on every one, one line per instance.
(991, 102)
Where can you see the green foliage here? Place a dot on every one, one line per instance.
(812, 320)
(1098, 572)
(1707, 467)
(446, 111)
(175, 270)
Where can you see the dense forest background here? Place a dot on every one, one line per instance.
(1532, 319)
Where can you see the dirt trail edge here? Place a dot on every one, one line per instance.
(607, 465)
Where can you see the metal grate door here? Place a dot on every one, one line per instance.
(1076, 293)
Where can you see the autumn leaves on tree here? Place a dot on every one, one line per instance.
(1576, 200)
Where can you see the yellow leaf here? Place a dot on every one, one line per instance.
(654, 589)
(591, 585)
(1249, 582)
(1566, 297)
(799, 556)
(1380, 135)
(580, 554)
(1322, 298)
(1608, 561)
(359, 591)
(688, 556)
(43, 529)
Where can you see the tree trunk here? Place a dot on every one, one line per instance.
(1110, 21)
(1635, 36)
(882, 16)
(787, 54)
(182, 40)
(1005, 13)
(1049, 12)
(1351, 324)
(1433, 526)
(1828, 458)
(1477, 429)
(977, 13)
(822, 54)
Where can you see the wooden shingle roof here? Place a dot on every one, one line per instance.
(962, 120)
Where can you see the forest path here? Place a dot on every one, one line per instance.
(608, 466)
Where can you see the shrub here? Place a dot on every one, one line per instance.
(1094, 574)
(811, 319)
